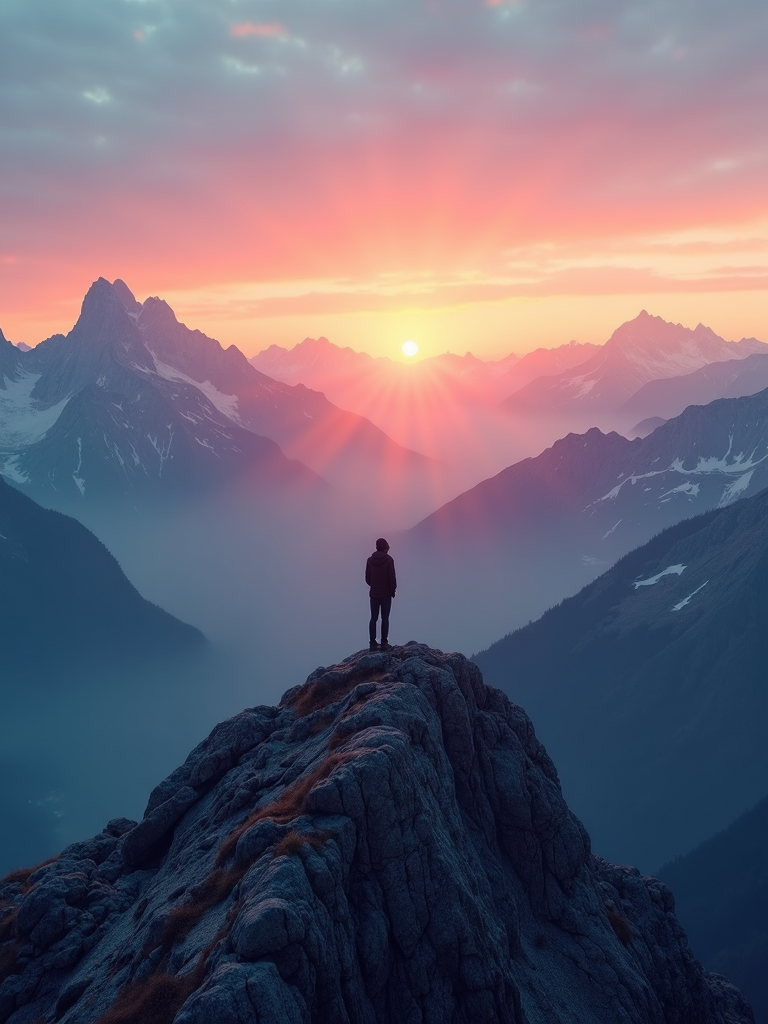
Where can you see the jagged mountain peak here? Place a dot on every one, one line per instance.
(126, 296)
(389, 844)
(104, 320)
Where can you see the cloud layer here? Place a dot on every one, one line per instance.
(503, 148)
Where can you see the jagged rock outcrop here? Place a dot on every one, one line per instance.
(389, 845)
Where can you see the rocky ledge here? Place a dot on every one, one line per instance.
(390, 844)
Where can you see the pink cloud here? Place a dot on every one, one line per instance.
(264, 30)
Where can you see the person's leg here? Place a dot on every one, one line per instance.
(374, 618)
(386, 605)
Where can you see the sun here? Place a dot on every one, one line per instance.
(410, 348)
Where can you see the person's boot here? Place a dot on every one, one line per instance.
(374, 646)
(384, 646)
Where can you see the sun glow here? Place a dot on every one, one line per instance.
(410, 348)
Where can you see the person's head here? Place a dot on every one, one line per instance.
(381, 545)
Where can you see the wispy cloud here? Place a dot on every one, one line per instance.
(199, 143)
(264, 30)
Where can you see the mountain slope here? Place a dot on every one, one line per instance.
(649, 686)
(93, 418)
(390, 844)
(641, 350)
(133, 403)
(730, 379)
(721, 897)
(545, 362)
(64, 598)
(501, 553)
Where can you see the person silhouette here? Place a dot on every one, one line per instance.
(380, 577)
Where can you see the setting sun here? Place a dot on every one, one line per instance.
(410, 348)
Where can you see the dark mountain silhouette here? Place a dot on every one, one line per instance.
(648, 687)
(133, 403)
(730, 379)
(80, 648)
(645, 427)
(721, 899)
(390, 844)
(64, 598)
(641, 350)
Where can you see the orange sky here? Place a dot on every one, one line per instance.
(476, 177)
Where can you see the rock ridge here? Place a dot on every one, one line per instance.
(388, 846)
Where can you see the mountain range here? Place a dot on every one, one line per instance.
(389, 844)
(648, 687)
(521, 540)
(132, 403)
(356, 380)
(666, 398)
(645, 349)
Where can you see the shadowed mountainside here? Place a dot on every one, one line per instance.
(63, 597)
(649, 686)
(721, 898)
(390, 844)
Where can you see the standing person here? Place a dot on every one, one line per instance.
(380, 577)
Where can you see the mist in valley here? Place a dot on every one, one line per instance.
(277, 588)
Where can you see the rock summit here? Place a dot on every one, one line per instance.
(390, 845)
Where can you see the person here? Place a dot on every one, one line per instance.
(380, 577)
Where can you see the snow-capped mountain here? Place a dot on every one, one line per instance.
(132, 402)
(649, 686)
(545, 362)
(502, 552)
(641, 350)
(730, 379)
(606, 486)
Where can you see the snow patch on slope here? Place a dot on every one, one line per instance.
(671, 570)
(21, 424)
(684, 602)
(734, 490)
(10, 469)
(226, 404)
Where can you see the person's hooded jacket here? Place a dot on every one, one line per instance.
(380, 574)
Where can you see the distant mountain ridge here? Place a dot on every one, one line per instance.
(133, 403)
(648, 687)
(350, 377)
(644, 349)
(708, 456)
(733, 378)
(502, 552)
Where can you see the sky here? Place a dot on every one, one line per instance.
(484, 175)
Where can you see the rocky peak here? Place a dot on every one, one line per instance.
(126, 296)
(389, 844)
(105, 334)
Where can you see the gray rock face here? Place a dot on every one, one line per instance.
(389, 845)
